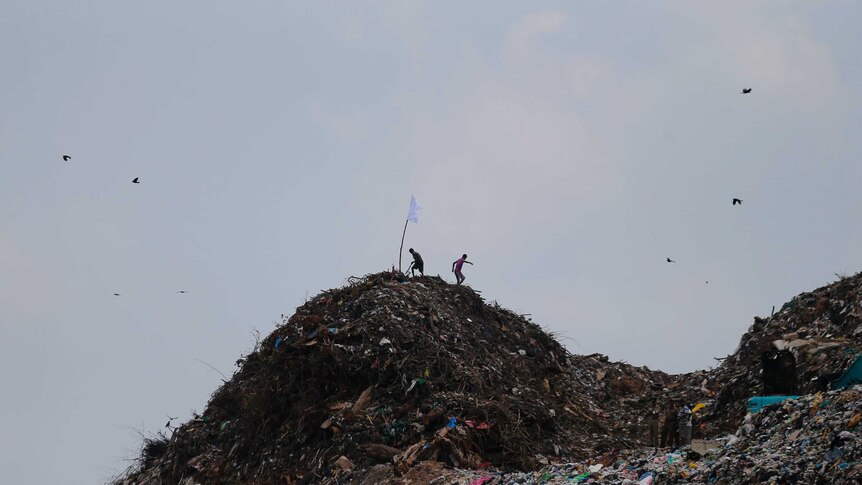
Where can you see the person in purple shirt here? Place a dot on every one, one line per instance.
(456, 268)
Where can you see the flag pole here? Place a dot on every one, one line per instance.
(401, 249)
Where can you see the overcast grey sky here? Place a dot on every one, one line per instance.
(568, 147)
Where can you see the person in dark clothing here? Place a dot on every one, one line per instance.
(652, 428)
(669, 429)
(418, 264)
(653, 419)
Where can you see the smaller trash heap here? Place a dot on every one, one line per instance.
(393, 371)
(821, 329)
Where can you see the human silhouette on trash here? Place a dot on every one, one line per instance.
(683, 419)
(669, 429)
(417, 263)
(456, 268)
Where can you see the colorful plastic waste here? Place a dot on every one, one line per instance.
(755, 404)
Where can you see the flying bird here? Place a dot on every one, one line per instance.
(737, 201)
(168, 424)
(135, 180)
(670, 260)
(66, 158)
(746, 90)
(182, 291)
(116, 294)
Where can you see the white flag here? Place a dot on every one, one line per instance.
(413, 214)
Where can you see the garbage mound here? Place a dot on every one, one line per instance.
(396, 380)
(809, 342)
(397, 371)
(812, 440)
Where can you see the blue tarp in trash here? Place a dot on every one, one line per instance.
(757, 403)
(853, 375)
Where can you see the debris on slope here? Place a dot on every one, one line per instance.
(820, 332)
(397, 371)
(812, 440)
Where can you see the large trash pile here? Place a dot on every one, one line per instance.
(813, 440)
(397, 371)
(396, 380)
(820, 330)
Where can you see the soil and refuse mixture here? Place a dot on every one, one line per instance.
(396, 380)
